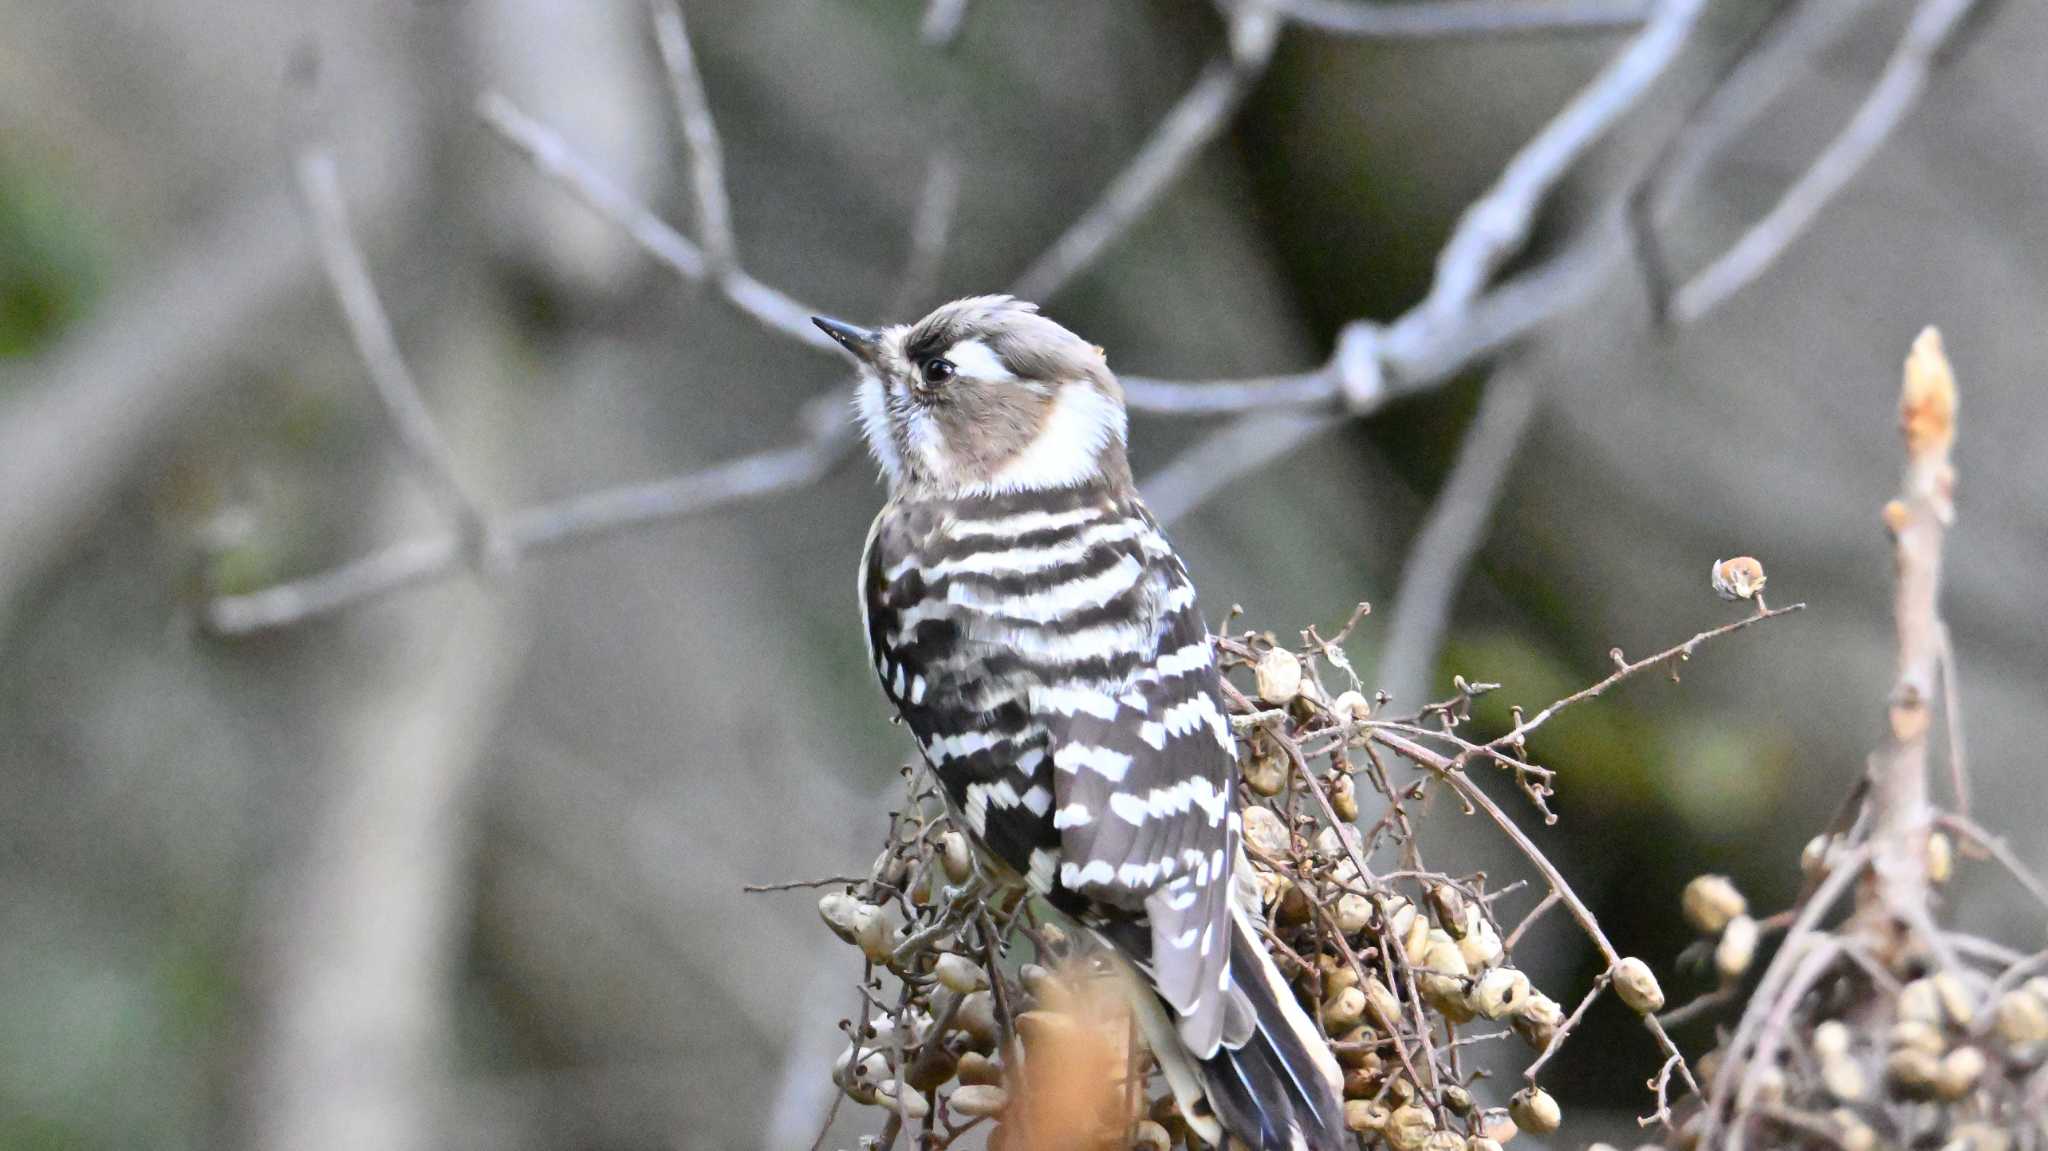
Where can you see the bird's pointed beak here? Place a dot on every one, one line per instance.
(859, 342)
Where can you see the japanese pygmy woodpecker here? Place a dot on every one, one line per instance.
(1040, 638)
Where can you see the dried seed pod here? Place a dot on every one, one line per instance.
(1295, 908)
(914, 1105)
(859, 1080)
(1049, 991)
(1482, 1143)
(1444, 1141)
(1408, 1128)
(1457, 1099)
(1150, 1136)
(979, 1100)
(976, 1019)
(1941, 858)
(1266, 775)
(1360, 1083)
(841, 913)
(2020, 1018)
(1498, 993)
(1415, 941)
(1851, 1131)
(1278, 676)
(959, 974)
(1336, 974)
(876, 930)
(1398, 915)
(1344, 1009)
(1264, 831)
(1448, 905)
(1535, 1111)
(1911, 1073)
(1738, 578)
(976, 1069)
(1353, 706)
(1356, 1051)
(933, 1067)
(1497, 1125)
(1917, 1035)
(1343, 798)
(1364, 1115)
(1737, 948)
(1481, 946)
(1443, 978)
(1958, 1006)
(1637, 986)
(1919, 1002)
(1844, 1079)
(1353, 913)
(1401, 1091)
(1958, 1074)
(956, 856)
(1382, 1006)
(1831, 1038)
(1537, 1020)
(1710, 902)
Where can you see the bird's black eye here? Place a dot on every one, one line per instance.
(937, 370)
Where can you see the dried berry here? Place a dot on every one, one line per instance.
(1710, 901)
(1637, 986)
(1535, 1111)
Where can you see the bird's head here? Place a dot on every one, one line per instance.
(985, 396)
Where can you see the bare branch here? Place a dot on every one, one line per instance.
(1496, 226)
(1193, 123)
(1218, 459)
(707, 155)
(348, 274)
(1898, 89)
(930, 229)
(430, 559)
(1433, 19)
(942, 20)
(548, 152)
(1453, 532)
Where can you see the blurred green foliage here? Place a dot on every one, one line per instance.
(50, 266)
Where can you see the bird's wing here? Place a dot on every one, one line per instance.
(1144, 803)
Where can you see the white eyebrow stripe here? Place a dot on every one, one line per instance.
(978, 361)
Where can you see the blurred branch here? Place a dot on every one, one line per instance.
(1898, 88)
(369, 325)
(1194, 123)
(1769, 58)
(432, 558)
(707, 157)
(1497, 225)
(547, 151)
(942, 20)
(1456, 526)
(1221, 457)
(930, 229)
(1444, 18)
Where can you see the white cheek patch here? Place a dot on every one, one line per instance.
(873, 409)
(976, 361)
(1068, 449)
(927, 444)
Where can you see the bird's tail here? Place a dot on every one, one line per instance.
(1277, 1089)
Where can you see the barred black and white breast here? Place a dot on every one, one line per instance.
(1045, 649)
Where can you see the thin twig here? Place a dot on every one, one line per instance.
(1196, 120)
(1212, 463)
(432, 558)
(1898, 89)
(369, 325)
(1437, 19)
(700, 132)
(548, 152)
(1495, 227)
(942, 20)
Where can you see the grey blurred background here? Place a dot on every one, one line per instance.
(463, 867)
